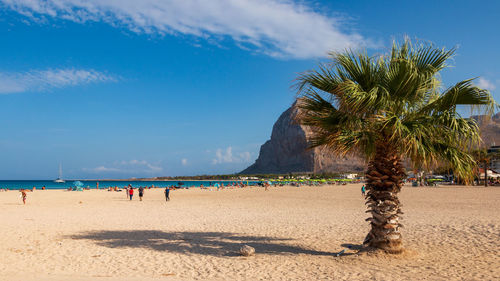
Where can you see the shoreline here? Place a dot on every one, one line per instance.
(51, 180)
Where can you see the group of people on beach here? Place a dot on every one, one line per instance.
(130, 192)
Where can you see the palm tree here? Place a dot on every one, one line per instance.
(481, 156)
(390, 109)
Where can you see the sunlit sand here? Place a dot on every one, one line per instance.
(449, 234)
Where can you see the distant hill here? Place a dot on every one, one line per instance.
(490, 128)
(287, 151)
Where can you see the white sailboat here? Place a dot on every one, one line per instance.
(60, 179)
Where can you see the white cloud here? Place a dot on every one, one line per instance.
(184, 161)
(279, 28)
(245, 156)
(130, 167)
(486, 84)
(227, 156)
(102, 169)
(141, 163)
(43, 80)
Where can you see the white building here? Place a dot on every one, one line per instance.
(489, 174)
(350, 176)
(495, 160)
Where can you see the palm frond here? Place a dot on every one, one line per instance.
(462, 93)
(430, 60)
(356, 102)
(324, 80)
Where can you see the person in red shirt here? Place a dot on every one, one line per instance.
(131, 192)
(23, 195)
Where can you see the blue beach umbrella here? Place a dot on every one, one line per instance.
(78, 185)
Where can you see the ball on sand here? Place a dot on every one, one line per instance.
(247, 251)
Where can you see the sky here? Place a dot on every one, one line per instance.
(128, 88)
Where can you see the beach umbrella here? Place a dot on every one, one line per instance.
(78, 184)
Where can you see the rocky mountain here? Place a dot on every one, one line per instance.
(490, 129)
(287, 151)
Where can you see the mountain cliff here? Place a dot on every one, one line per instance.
(490, 129)
(287, 151)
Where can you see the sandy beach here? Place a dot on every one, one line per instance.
(451, 233)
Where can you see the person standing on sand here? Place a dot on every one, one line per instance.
(127, 190)
(23, 195)
(141, 193)
(167, 193)
(363, 189)
(131, 192)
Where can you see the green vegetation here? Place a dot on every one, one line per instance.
(388, 109)
(259, 176)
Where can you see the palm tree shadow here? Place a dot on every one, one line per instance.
(205, 243)
(355, 247)
(358, 248)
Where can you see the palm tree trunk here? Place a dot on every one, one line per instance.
(485, 173)
(477, 175)
(384, 180)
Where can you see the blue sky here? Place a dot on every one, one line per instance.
(117, 89)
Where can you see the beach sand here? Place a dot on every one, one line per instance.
(450, 234)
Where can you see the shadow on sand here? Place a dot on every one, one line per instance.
(204, 243)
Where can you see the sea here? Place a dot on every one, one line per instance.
(50, 184)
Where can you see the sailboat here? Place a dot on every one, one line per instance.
(59, 179)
